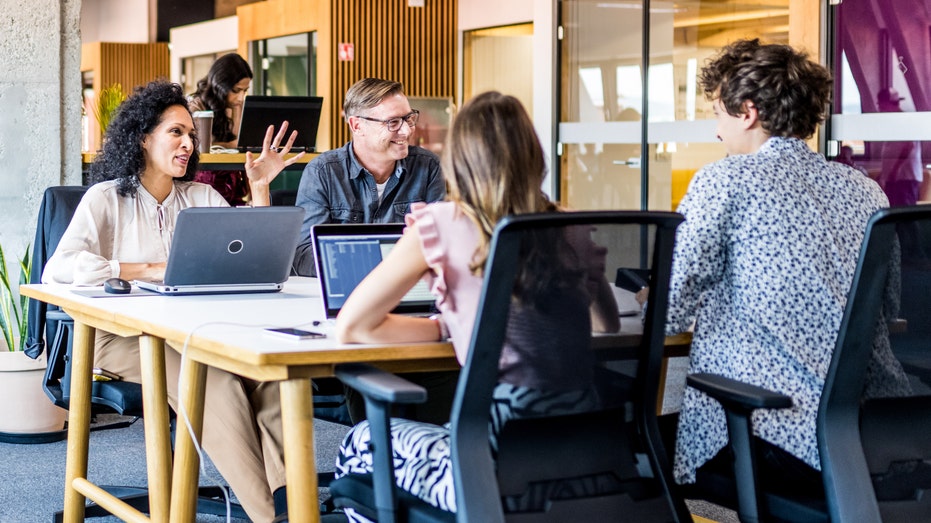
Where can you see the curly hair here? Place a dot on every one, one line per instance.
(790, 91)
(122, 157)
(212, 90)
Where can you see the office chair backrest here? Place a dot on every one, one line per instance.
(616, 435)
(49, 323)
(55, 212)
(859, 443)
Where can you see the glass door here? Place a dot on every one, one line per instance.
(634, 142)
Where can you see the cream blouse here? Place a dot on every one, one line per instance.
(108, 229)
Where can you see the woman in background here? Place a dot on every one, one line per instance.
(223, 91)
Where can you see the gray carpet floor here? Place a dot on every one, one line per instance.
(32, 476)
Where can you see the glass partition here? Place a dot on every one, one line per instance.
(604, 95)
(193, 68)
(285, 65)
(880, 122)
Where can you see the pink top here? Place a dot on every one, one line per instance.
(449, 239)
(546, 348)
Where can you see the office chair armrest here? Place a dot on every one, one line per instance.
(739, 400)
(376, 384)
(380, 389)
(737, 395)
(57, 315)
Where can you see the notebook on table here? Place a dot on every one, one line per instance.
(219, 250)
(258, 112)
(346, 253)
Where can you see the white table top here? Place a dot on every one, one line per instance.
(231, 326)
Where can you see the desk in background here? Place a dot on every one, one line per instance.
(290, 178)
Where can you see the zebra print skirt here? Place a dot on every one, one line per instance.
(421, 450)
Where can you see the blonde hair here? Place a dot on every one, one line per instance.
(494, 165)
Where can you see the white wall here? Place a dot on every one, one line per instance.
(477, 14)
(125, 21)
(213, 36)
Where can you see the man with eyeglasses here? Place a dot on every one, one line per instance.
(375, 177)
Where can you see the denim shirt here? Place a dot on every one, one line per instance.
(336, 188)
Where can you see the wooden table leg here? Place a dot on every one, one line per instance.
(297, 420)
(157, 437)
(186, 471)
(79, 417)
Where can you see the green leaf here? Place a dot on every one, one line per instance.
(12, 312)
(107, 102)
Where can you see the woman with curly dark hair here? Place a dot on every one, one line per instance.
(123, 229)
(223, 91)
(765, 258)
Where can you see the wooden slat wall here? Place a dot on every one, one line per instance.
(126, 64)
(413, 45)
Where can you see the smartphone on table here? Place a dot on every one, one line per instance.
(294, 334)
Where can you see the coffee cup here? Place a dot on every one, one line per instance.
(203, 124)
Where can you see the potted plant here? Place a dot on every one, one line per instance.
(26, 413)
(109, 99)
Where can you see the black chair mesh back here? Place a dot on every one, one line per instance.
(890, 302)
(573, 421)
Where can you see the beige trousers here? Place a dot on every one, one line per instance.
(242, 422)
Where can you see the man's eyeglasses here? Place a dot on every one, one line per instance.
(394, 124)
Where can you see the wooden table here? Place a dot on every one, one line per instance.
(225, 332)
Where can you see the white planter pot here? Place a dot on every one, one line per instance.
(24, 407)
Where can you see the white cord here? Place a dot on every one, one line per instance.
(182, 412)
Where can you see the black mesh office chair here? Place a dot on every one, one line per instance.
(540, 459)
(48, 322)
(875, 455)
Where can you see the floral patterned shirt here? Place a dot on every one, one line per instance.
(762, 266)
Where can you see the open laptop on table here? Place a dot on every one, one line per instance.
(258, 112)
(219, 250)
(346, 253)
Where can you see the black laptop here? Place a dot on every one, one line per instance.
(346, 253)
(301, 112)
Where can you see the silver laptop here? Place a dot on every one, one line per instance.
(218, 250)
(346, 253)
(258, 112)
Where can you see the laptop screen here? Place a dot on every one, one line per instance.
(301, 112)
(346, 253)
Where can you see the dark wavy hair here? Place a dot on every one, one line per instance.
(224, 74)
(790, 91)
(122, 157)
